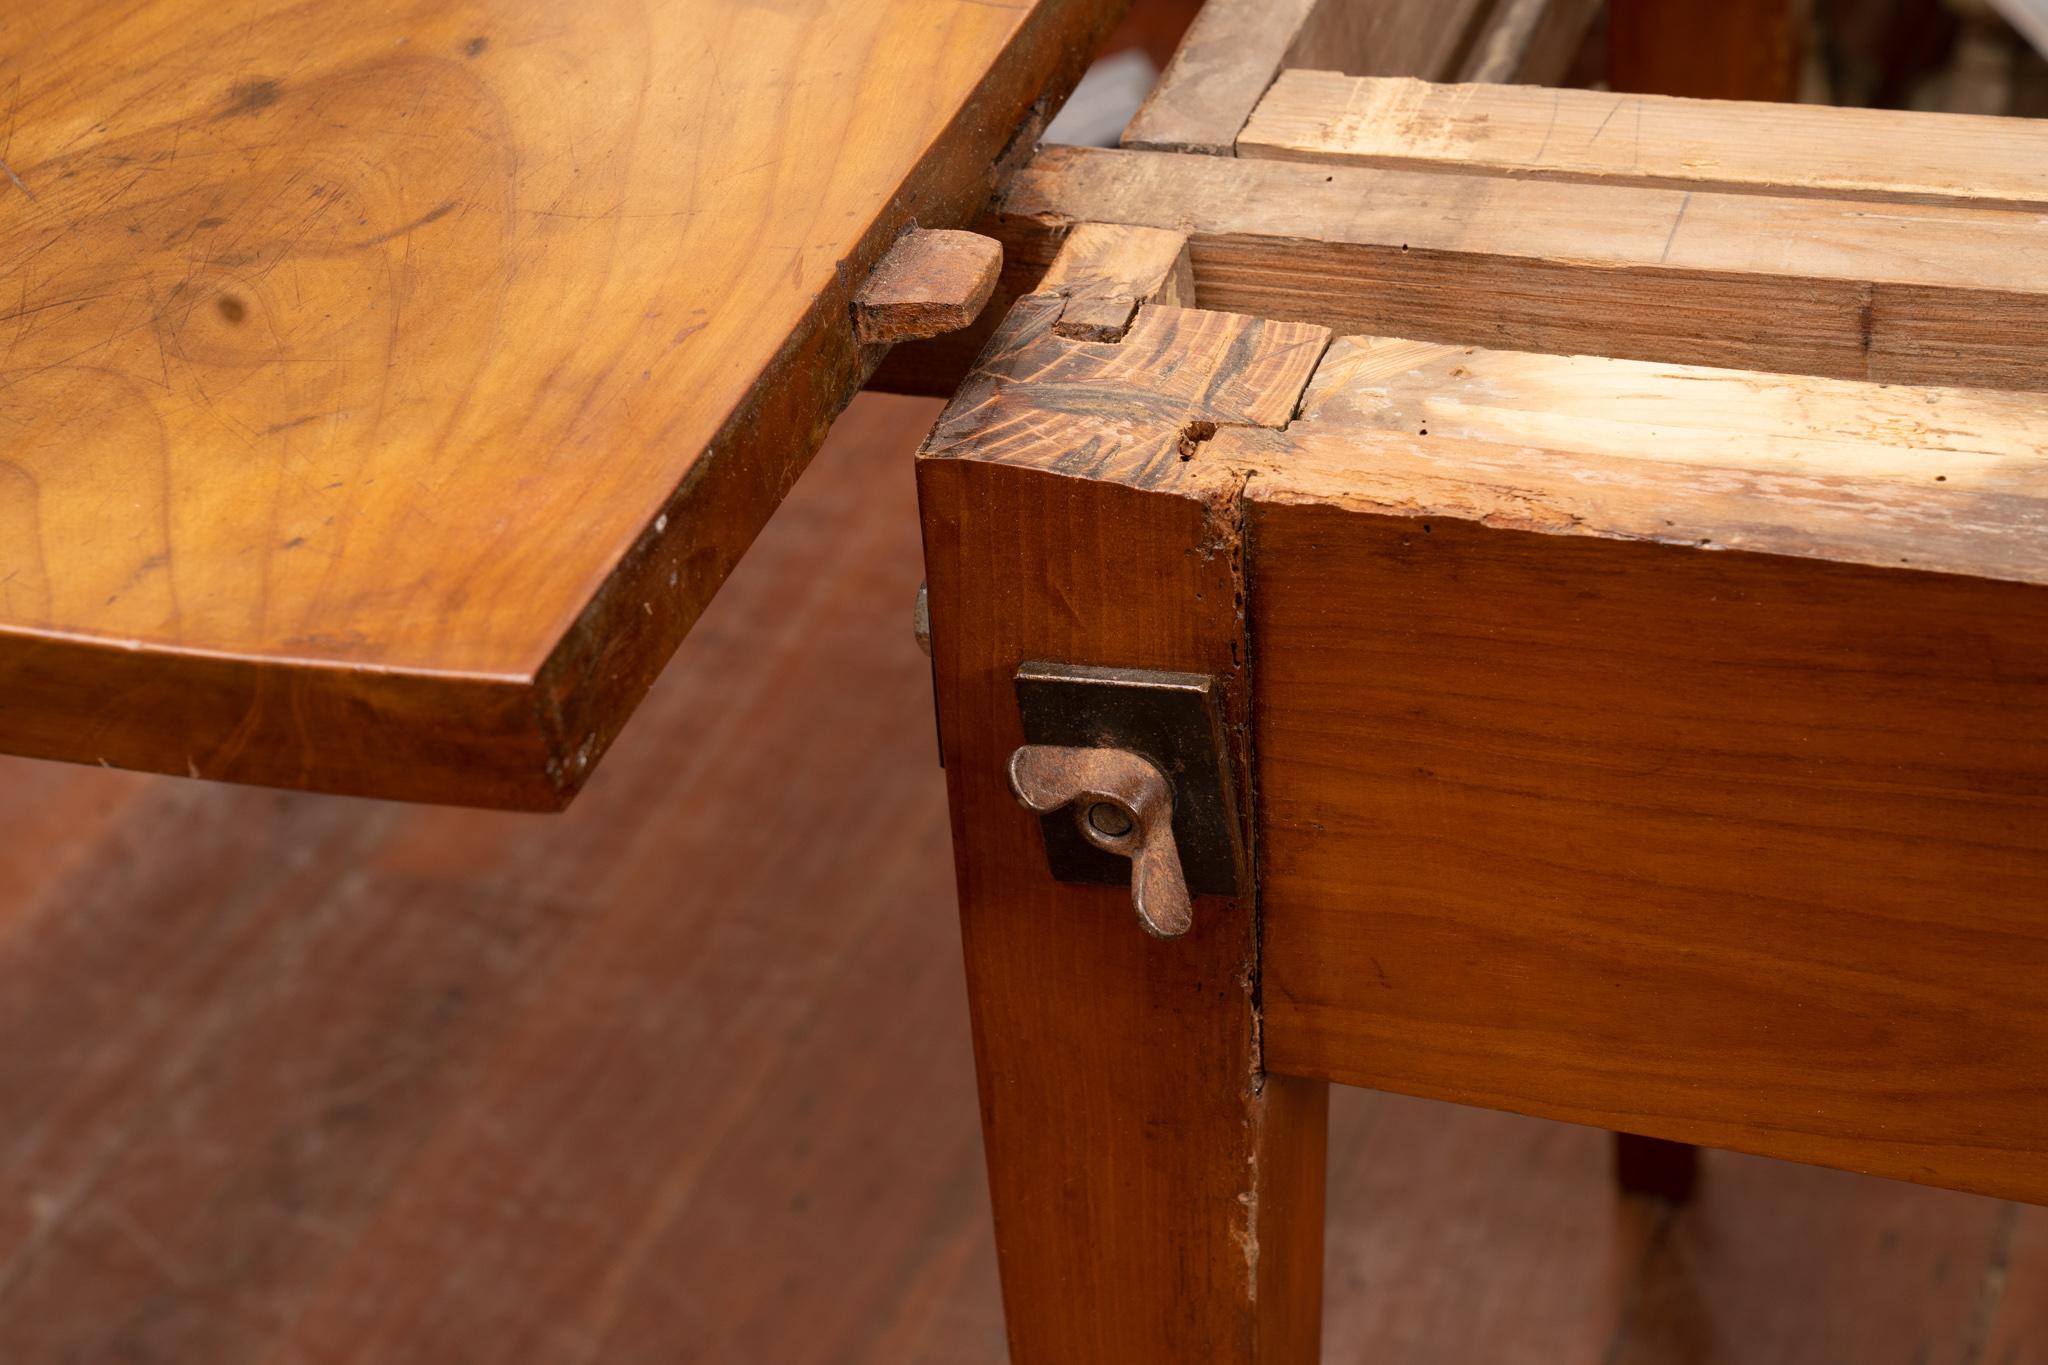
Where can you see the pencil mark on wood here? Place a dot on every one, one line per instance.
(1683, 205)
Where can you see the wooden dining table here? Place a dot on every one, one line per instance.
(1438, 582)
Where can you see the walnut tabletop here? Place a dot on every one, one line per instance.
(385, 388)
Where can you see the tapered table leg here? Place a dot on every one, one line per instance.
(1656, 1168)
(1158, 1199)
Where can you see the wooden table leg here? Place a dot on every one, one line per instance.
(1158, 1199)
(1656, 1167)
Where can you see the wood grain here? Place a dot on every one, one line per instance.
(933, 281)
(1235, 48)
(382, 404)
(1225, 61)
(1389, 37)
(1104, 271)
(1603, 138)
(1710, 821)
(1132, 411)
(1691, 845)
(1903, 293)
(1882, 475)
(1120, 1070)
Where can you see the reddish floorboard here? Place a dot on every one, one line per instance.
(683, 1075)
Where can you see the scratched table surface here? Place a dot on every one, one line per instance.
(386, 387)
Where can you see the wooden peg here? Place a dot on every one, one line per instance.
(932, 281)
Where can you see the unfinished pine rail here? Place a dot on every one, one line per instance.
(1235, 48)
(1892, 292)
(1900, 248)
(1598, 137)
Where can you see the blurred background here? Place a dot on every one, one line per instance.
(684, 1075)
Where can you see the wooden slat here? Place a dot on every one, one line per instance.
(1228, 57)
(1585, 135)
(1950, 479)
(1904, 293)
(1655, 789)
(1120, 1071)
(1388, 37)
(382, 404)
(1235, 48)
(1521, 40)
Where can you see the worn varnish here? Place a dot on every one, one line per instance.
(1133, 411)
(1605, 138)
(386, 390)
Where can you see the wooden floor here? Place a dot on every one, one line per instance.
(684, 1076)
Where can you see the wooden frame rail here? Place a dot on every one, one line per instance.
(1236, 48)
(1902, 252)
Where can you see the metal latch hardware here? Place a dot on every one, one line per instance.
(1130, 772)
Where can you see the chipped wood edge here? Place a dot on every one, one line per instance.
(932, 281)
(1216, 77)
(1105, 270)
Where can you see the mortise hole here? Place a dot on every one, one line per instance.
(1192, 435)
